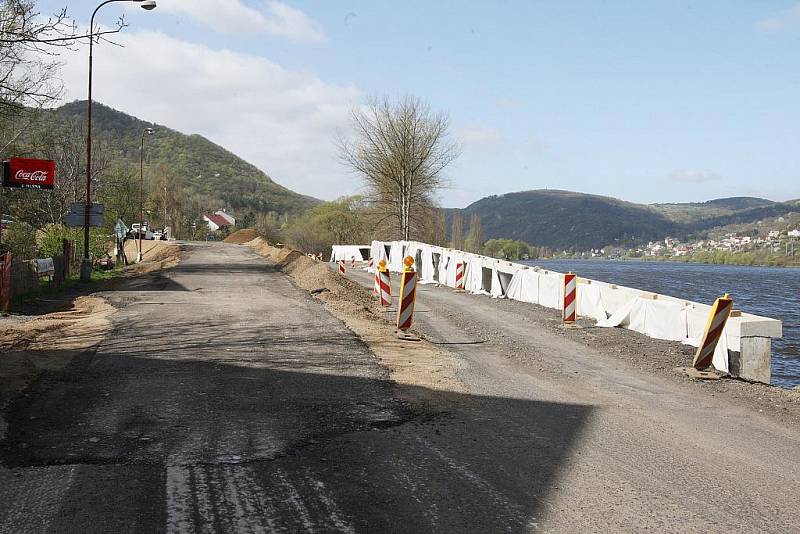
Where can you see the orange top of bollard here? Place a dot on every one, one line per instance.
(382, 265)
(408, 261)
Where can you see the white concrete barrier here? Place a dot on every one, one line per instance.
(743, 350)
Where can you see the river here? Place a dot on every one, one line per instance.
(768, 291)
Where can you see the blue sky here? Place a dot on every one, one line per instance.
(645, 101)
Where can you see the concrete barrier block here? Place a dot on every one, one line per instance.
(752, 362)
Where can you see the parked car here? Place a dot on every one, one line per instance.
(104, 264)
(146, 233)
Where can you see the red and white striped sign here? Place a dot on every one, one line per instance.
(341, 266)
(460, 275)
(370, 263)
(570, 292)
(714, 327)
(408, 289)
(353, 261)
(384, 287)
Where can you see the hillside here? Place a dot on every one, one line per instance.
(577, 221)
(206, 170)
(568, 220)
(690, 212)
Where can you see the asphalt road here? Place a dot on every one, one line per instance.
(647, 453)
(225, 399)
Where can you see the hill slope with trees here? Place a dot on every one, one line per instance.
(566, 220)
(204, 169)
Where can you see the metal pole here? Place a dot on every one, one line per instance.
(141, 196)
(86, 264)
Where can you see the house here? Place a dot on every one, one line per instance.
(794, 233)
(215, 221)
(227, 216)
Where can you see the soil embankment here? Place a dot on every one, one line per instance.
(242, 236)
(417, 363)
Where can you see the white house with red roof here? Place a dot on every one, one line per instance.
(216, 221)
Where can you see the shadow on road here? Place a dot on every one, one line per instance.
(151, 442)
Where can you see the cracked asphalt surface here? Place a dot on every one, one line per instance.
(650, 451)
(225, 399)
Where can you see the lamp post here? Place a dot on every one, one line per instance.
(148, 131)
(86, 264)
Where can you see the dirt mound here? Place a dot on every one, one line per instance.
(78, 328)
(48, 342)
(156, 255)
(417, 363)
(242, 236)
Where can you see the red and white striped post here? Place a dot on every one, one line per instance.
(408, 292)
(714, 327)
(341, 266)
(352, 261)
(384, 284)
(460, 276)
(370, 263)
(570, 292)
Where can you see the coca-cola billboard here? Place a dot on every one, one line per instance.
(29, 173)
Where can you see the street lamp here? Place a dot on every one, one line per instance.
(148, 131)
(86, 265)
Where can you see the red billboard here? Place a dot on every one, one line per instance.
(29, 173)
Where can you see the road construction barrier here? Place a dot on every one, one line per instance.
(720, 312)
(370, 263)
(570, 292)
(353, 261)
(384, 284)
(460, 276)
(341, 267)
(743, 349)
(408, 291)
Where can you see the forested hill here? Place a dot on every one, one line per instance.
(207, 172)
(565, 220)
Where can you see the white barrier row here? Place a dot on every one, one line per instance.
(743, 349)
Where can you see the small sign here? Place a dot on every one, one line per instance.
(78, 207)
(45, 267)
(77, 220)
(29, 173)
(120, 230)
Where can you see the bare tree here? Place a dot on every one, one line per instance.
(400, 149)
(474, 238)
(457, 231)
(29, 44)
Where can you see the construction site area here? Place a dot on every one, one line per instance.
(240, 386)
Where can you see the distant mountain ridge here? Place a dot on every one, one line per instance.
(566, 220)
(206, 170)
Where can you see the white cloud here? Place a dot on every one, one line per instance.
(694, 177)
(234, 17)
(785, 20)
(478, 135)
(280, 120)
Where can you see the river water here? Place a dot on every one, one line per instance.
(768, 291)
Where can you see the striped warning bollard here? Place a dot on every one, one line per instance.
(570, 292)
(341, 266)
(384, 284)
(460, 276)
(352, 261)
(714, 327)
(370, 263)
(408, 292)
